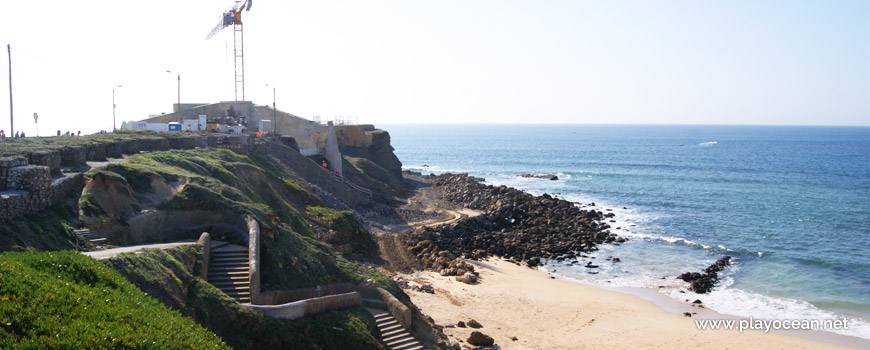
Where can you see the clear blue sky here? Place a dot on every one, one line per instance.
(447, 61)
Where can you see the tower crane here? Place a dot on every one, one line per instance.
(233, 17)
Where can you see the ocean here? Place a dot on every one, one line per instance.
(791, 204)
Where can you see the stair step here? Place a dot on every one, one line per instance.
(227, 289)
(228, 269)
(224, 278)
(412, 346)
(231, 283)
(386, 321)
(229, 253)
(98, 240)
(392, 333)
(230, 260)
(225, 265)
(407, 340)
(390, 329)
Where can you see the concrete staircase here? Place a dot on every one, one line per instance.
(228, 271)
(396, 337)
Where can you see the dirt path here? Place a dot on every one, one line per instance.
(111, 253)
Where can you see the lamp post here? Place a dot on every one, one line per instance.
(178, 112)
(113, 109)
(11, 114)
(274, 113)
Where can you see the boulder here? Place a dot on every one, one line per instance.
(478, 339)
(467, 278)
(474, 324)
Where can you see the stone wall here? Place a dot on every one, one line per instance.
(27, 180)
(18, 203)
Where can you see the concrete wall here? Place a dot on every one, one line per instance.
(205, 244)
(400, 312)
(309, 307)
(254, 258)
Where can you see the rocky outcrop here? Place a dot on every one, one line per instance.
(516, 224)
(436, 259)
(703, 283)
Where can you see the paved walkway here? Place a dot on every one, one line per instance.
(110, 253)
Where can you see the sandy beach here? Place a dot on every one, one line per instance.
(546, 313)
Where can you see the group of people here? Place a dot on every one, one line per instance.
(70, 133)
(17, 134)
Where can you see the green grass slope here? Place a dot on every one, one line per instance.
(67, 300)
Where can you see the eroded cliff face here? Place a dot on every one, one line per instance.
(369, 161)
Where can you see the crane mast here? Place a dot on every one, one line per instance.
(233, 17)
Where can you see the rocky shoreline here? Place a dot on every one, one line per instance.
(515, 224)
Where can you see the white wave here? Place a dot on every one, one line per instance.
(434, 169)
(737, 302)
(710, 143)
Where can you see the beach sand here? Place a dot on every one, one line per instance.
(544, 313)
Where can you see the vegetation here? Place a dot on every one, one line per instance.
(64, 300)
(67, 300)
(51, 229)
(89, 206)
(22, 146)
(167, 275)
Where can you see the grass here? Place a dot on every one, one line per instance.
(66, 300)
(342, 221)
(89, 206)
(22, 146)
(168, 276)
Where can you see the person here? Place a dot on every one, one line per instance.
(16, 134)
(58, 132)
(324, 164)
(2, 134)
(22, 134)
(79, 134)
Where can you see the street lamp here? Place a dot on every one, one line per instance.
(274, 113)
(178, 113)
(113, 109)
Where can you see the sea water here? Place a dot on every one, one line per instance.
(790, 204)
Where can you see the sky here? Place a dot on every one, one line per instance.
(445, 61)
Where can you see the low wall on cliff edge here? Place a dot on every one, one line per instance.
(309, 307)
(390, 303)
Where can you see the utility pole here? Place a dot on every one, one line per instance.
(11, 118)
(178, 112)
(113, 110)
(274, 114)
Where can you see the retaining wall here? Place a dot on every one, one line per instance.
(27, 180)
(309, 307)
(400, 312)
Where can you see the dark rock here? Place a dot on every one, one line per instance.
(467, 278)
(616, 260)
(687, 314)
(478, 338)
(474, 324)
(703, 283)
(550, 177)
(697, 301)
(460, 324)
